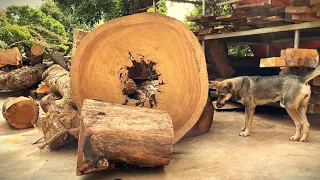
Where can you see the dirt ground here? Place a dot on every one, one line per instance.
(220, 154)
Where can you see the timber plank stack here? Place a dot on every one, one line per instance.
(303, 11)
(298, 62)
(246, 16)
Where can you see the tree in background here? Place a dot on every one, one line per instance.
(23, 26)
(92, 12)
(161, 7)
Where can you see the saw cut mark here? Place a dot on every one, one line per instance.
(140, 82)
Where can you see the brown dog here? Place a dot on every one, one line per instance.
(293, 92)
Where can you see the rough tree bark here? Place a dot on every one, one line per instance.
(22, 78)
(143, 50)
(78, 35)
(10, 57)
(112, 133)
(58, 58)
(20, 112)
(61, 118)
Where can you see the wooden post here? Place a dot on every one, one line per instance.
(296, 38)
(112, 133)
(154, 6)
(203, 13)
(268, 50)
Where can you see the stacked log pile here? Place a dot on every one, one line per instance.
(246, 16)
(298, 62)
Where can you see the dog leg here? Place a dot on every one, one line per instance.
(303, 116)
(245, 121)
(293, 113)
(248, 123)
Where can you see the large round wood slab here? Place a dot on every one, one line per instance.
(100, 66)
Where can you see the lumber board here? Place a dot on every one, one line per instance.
(272, 62)
(274, 19)
(298, 10)
(250, 6)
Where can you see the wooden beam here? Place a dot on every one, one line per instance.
(291, 27)
(228, 2)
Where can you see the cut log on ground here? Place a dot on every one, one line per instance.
(61, 118)
(36, 54)
(112, 133)
(20, 112)
(22, 78)
(78, 35)
(169, 69)
(10, 57)
(205, 121)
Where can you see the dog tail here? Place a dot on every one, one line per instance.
(312, 75)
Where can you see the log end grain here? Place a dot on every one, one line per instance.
(20, 112)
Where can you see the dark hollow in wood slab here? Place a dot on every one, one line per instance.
(112, 133)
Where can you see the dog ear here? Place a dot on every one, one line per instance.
(213, 84)
(230, 85)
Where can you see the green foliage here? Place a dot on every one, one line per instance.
(25, 16)
(197, 11)
(91, 12)
(3, 45)
(16, 35)
(223, 10)
(3, 18)
(161, 7)
(239, 50)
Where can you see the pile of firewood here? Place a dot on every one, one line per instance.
(109, 74)
(246, 16)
